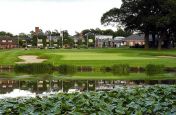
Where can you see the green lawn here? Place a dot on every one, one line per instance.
(93, 57)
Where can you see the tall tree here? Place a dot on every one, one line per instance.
(148, 16)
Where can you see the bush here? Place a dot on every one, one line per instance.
(37, 68)
(105, 69)
(121, 69)
(82, 46)
(151, 69)
(137, 46)
(67, 69)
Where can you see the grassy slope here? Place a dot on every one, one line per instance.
(93, 57)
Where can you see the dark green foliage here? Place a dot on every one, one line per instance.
(151, 69)
(67, 69)
(121, 69)
(155, 17)
(151, 100)
(3, 33)
(105, 69)
(37, 68)
(82, 46)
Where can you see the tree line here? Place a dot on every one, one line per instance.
(151, 17)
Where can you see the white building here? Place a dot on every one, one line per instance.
(119, 41)
(103, 41)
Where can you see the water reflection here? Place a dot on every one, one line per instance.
(37, 87)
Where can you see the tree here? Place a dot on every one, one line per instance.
(3, 33)
(148, 16)
(36, 36)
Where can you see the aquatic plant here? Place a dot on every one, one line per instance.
(150, 100)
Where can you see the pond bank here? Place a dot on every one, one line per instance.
(89, 68)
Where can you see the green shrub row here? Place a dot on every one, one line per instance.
(67, 69)
(121, 69)
(151, 69)
(37, 68)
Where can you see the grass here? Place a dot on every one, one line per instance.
(93, 57)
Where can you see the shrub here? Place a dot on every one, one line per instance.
(105, 69)
(121, 69)
(151, 69)
(67, 69)
(36, 68)
(82, 46)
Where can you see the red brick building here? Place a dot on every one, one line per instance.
(8, 42)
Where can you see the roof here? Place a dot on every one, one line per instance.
(103, 37)
(53, 37)
(119, 38)
(138, 37)
(7, 38)
(135, 37)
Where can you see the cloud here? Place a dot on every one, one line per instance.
(24, 15)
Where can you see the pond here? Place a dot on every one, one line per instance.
(25, 85)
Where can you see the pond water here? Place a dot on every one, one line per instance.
(19, 85)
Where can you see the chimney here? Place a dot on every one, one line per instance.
(37, 30)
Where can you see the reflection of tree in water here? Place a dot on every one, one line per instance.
(40, 86)
(154, 82)
(91, 85)
(68, 85)
(56, 85)
(82, 84)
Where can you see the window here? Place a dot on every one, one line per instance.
(139, 43)
(3, 41)
(10, 41)
(131, 44)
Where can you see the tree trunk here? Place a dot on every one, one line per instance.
(159, 42)
(160, 39)
(173, 43)
(146, 40)
(153, 40)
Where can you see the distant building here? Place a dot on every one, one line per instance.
(135, 39)
(78, 39)
(103, 41)
(52, 41)
(8, 42)
(118, 41)
(37, 30)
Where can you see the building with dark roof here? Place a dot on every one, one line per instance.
(135, 39)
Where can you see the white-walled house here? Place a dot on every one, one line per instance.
(119, 41)
(103, 41)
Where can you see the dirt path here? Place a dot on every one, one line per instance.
(30, 59)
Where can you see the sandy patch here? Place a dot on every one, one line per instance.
(30, 59)
(172, 57)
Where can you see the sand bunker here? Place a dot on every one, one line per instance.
(30, 59)
(172, 57)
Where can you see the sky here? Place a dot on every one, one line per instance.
(22, 16)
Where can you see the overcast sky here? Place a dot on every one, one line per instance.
(73, 15)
